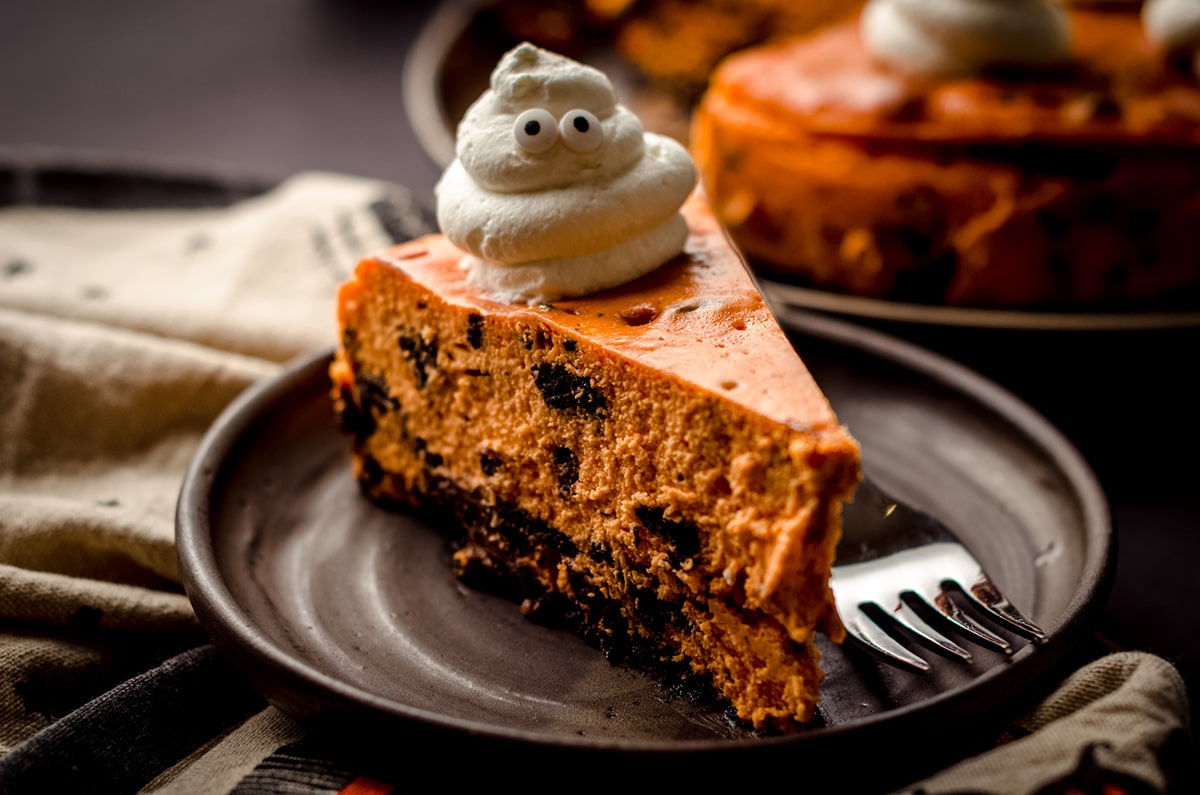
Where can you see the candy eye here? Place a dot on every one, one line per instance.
(581, 131)
(535, 130)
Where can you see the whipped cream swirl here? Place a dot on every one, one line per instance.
(556, 190)
(954, 38)
(1174, 25)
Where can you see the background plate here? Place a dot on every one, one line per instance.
(448, 68)
(348, 615)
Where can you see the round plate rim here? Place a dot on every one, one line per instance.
(233, 629)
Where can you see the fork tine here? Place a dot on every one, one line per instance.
(986, 595)
(913, 622)
(912, 617)
(896, 555)
(862, 628)
(945, 604)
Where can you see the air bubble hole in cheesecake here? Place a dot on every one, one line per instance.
(556, 190)
(639, 315)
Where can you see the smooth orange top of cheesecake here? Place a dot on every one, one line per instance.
(699, 317)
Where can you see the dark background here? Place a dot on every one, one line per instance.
(263, 88)
(266, 88)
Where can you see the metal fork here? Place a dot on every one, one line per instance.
(901, 569)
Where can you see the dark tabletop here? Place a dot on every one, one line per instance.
(268, 88)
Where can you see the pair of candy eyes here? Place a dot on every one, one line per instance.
(536, 130)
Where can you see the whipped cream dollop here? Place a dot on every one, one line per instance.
(1174, 25)
(954, 38)
(556, 190)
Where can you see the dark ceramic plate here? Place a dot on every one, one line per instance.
(347, 614)
(448, 68)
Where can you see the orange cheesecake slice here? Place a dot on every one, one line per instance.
(653, 465)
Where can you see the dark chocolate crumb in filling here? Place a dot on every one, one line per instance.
(684, 537)
(351, 419)
(363, 404)
(657, 615)
(374, 394)
(568, 391)
(422, 448)
(600, 553)
(422, 354)
(566, 469)
(489, 463)
(475, 331)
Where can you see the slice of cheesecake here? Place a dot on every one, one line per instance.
(652, 465)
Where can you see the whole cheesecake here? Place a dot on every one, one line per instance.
(1076, 186)
(652, 465)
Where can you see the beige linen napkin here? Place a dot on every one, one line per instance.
(122, 336)
(1118, 725)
